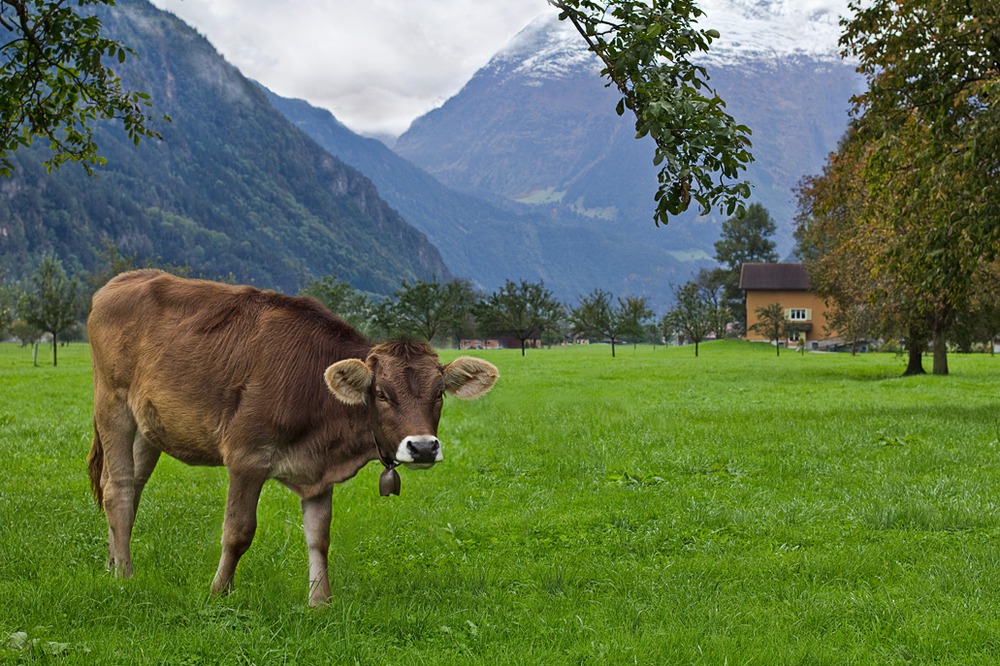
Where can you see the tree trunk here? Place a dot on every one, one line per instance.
(696, 349)
(522, 347)
(612, 347)
(55, 350)
(915, 350)
(777, 348)
(940, 354)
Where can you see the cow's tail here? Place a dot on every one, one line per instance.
(95, 465)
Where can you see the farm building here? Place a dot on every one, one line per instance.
(787, 284)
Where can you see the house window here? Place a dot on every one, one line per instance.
(798, 314)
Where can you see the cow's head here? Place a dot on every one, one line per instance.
(403, 384)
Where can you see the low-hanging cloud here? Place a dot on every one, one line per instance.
(378, 64)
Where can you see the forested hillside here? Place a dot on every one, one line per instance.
(233, 188)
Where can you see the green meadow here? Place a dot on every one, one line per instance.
(653, 508)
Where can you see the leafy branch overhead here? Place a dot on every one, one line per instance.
(55, 83)
(649, 49)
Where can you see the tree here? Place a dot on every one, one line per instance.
(635, 313)
(744, 239)
(599, 316)
(111, 262)
(7, 299)
(54, 82)
(771, 324)
(342, 299)
(427, 309)
(931, 121)
(54, 303)
(666, 329)
(839, 255)
(25, 332)
(649, 51)
(712, 284)
(692, 317)
(981, 322)
(747, 238)
(523, 311)
(867, 258)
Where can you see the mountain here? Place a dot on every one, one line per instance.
(232, 190)
(467, 230)
(537, 126)
(490, 239)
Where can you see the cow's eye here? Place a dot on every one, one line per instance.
(440, 395)
(380, 395)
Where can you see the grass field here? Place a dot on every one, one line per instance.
(655, 508)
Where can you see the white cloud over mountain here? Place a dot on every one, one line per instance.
(750, 29)
(378, 64)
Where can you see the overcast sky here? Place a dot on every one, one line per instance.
(379, 64)
(376, 64)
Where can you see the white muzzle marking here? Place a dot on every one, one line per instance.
(419, 451)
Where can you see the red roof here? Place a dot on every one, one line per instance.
(774, 277)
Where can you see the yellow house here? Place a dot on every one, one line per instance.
(787, 284)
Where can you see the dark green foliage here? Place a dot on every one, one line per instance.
(53, 303)
(745, 238)
(693, 317)
(341, 299)
(233, 188)
(428, 309)
(649, 52)
(771, 324)
(598, 316)
(55, 82)
(524, 311)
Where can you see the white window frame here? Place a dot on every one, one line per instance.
(798, 314)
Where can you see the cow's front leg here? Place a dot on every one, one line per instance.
(316, 515)
(239, 526)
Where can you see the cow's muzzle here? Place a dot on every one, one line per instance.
(419, 451)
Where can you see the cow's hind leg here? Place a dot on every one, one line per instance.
(239, 526)
(117, 432)
(145, 457)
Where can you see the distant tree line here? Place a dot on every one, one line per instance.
(50, 302)
(448, 312)
(711, 305)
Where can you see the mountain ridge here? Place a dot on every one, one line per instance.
(545, 182)
(547, 135)
(232, 190)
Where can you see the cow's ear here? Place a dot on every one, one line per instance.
(467, 377)
(349, 380)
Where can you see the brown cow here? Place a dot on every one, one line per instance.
(271, 386)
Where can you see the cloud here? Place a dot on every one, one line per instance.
(376, 64)
(379, 64)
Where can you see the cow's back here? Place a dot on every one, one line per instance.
(147, 325)
(193, 359)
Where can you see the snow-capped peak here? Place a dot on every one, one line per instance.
(750, 30)
(766, 29)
